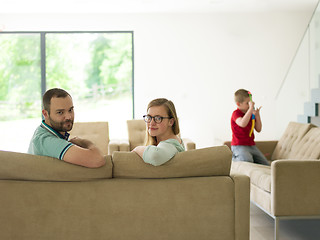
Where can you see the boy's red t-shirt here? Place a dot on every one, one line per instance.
(240, 136)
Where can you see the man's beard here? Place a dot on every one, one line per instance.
(60, 126)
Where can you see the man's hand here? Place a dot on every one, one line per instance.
(84, 143)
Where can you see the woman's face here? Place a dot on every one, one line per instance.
(159, 130)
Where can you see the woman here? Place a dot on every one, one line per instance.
(162, 142)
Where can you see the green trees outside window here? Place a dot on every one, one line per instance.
(95, 67)
(20, 79)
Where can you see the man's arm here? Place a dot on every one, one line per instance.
(84, 153)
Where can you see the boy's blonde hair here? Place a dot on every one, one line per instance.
(241, 95)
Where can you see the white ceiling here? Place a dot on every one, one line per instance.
(151, 6)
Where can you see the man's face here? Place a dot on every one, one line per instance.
(61, 115)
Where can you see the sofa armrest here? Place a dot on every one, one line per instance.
(114, 145)
(227, 143)
(188, 144)
(242, 206)
(117, 145)
(295, 187)
(124, 145)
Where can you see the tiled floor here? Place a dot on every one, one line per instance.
(262, 227)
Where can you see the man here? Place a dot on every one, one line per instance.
(51, 137)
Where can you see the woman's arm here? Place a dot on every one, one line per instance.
(158, 155)
(139, 150)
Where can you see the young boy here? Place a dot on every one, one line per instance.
(243, 146)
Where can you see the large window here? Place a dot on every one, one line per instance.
(95, 67)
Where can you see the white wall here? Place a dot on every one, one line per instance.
(199, 61)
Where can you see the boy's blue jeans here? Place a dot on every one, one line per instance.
(248, 154)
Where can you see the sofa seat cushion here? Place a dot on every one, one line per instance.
(260, 175)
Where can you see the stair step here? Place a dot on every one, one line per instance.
(311, 109)
(315, 121)
(303, 119)
(315, 95)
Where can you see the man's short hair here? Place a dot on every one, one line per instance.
(53, 92)
(241, 95)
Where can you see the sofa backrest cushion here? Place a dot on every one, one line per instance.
(213, 161)
(136, 132)
(22, 166)
(96, 132)
(292, 135)
(308, 147)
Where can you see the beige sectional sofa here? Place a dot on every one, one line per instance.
(290, 187)
(193, 196)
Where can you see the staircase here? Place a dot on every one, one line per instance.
(312, 109)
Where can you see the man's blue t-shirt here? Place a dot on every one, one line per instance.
(48, 142)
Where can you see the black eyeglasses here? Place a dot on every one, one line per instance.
(157, 119)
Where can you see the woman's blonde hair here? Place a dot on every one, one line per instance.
(171, 111)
